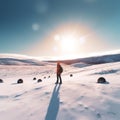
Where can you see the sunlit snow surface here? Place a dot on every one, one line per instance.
(79, 97)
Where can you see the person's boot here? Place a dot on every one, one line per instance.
(56, 82)
(60, 82)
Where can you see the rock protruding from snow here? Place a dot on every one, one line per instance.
(20, 81)
(39, 80)
(1, 81)
(101, 80)
(34, 78)
(71, 75)
(49, 76)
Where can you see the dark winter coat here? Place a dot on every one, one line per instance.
(59, 69)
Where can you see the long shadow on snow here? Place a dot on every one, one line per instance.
(54, 104)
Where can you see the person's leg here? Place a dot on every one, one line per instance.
(60, 79)
(57, 79)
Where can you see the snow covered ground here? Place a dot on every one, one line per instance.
(78, 98)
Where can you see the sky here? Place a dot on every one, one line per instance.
(59, 28)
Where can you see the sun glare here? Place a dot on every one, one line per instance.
(57, 37)
(68, 43)
(82, 40)
(69, 40)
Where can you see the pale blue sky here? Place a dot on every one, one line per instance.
(26, 22)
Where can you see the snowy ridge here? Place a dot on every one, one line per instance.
(15, 59)
(95, 59)
(102, 59)
(11, 59)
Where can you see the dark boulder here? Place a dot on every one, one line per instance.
(34, 78)
(20, 81)
(71, 75)
(48, 76)
(1, 81)
(101, 80)
(39, 80)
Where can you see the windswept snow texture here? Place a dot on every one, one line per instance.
(80, 97)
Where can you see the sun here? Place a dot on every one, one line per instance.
(68, 43)
(70, 39)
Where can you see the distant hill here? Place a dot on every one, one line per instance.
(94, 60)
(10, 59)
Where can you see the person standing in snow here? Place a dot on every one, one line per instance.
(58, 72)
